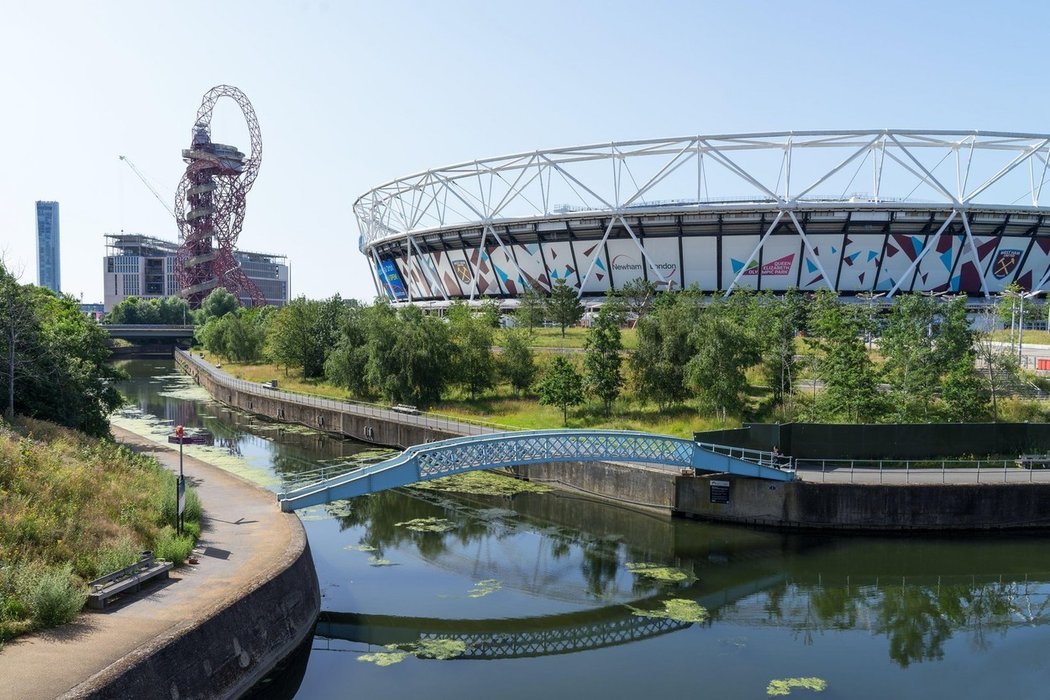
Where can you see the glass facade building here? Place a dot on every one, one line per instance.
(48, 260)
(144, 266)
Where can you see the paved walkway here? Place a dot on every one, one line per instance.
(915, 477)
(244, 539)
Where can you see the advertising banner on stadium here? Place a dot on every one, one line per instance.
(391, 280)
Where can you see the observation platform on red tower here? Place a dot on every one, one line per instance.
(874, 213)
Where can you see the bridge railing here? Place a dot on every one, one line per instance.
(432, 421)
(762, 458)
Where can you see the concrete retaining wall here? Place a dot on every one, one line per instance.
(229, 651)
(651, 489)
(868, 507)
(370, 429)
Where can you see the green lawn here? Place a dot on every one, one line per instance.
(1029, 337)
(573, 338)
(502, 408)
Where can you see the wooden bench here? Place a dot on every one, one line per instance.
(1033, 461)
(130, 578)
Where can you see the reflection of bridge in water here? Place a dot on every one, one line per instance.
(545, 635)
(995, 605)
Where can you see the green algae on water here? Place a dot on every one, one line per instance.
(482, 484)
(359, 548)
(783, 686)
(385, 658)
(427, 525)
(484, 588)
(376, 561)
(677, 609)
(656, 572)
(439, 648)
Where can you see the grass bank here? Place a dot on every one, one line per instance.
(73, 508)
(501, 407)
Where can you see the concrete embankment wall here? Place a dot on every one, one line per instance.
(650, 489)
(227, 651)
(803, 504)
(373, 429)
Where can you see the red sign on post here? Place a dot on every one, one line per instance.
(179, 432)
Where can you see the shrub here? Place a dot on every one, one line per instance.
(169, 508)
(116, 556)
(172, 547)
(54, 597)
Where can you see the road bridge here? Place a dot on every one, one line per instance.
(148, 331)
(478, 452)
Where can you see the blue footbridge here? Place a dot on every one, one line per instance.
(519, 448)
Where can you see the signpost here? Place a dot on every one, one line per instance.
(180, 485)
(719, 491)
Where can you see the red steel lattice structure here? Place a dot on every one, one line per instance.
(210, 202)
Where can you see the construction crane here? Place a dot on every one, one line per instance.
(147, 183)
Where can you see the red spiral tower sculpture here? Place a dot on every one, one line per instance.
(209, 205)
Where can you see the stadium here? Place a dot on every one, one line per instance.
(873, 213)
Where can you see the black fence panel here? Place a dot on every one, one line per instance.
(888, 441)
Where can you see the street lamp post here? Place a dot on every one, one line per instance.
(180, 485)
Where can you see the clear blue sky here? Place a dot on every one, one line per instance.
(352, 94)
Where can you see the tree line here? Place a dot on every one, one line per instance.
(54, 359)
(736, 356)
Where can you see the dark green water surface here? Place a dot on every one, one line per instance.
(537, 589)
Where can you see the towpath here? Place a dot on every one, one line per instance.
(245, 539)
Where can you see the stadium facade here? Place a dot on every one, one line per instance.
(144, 266)
(877, 212)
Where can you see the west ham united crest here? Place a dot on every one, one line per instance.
(1005, 262)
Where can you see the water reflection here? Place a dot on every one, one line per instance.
(876, 616)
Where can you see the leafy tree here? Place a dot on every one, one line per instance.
(964, 395)
(132, 310)
(724, 351)
(56, 359)
(563, 306)
(530, 308)
(850, 381)
(490, 312)
(664, 349)
(516, 362)
(302, 332)
(999, 365)
(216, 305)
(174, 311)
(238, 336)
(561, 386)
(422, 354)
(911, 358)
(774, 322)
(602, 360)
(347, 363)
(19, 325)
(638, 296)
(474, 366)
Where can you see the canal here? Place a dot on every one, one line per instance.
(491, 591)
